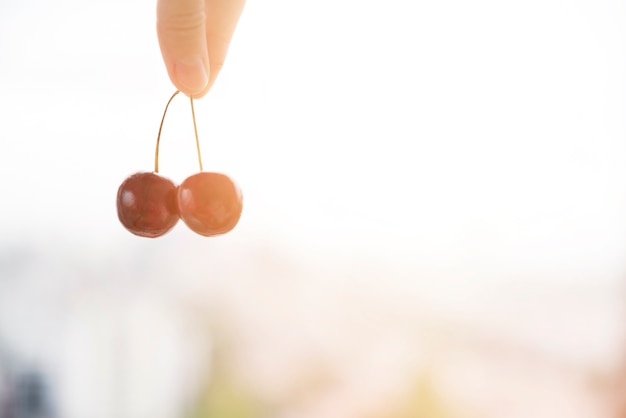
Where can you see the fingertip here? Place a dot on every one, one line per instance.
(191, 75)
(202, 92)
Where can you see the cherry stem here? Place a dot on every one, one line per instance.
(156, 153)
(195, 130)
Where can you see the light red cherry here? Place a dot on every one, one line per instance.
(209, 203)
(146, 204)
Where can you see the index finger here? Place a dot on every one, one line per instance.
(222, 17)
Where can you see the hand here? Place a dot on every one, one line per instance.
(194, 36)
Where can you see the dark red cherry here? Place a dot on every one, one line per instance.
(146, 204)
(209, 203)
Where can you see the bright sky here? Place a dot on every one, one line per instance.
(477, 137)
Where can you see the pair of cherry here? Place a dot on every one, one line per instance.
(149, 205)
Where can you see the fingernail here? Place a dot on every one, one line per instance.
(192, 74)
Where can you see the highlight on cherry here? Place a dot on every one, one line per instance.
(149, 204)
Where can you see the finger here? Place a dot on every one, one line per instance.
(221, 21)
(181, 29)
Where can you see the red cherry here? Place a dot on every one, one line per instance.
(209, 203)
(146, 204)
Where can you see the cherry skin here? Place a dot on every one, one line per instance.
(209, 203)
(146, 204)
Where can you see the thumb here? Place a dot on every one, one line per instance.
(182, 38)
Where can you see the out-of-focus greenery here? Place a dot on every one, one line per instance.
(224, 399)
(424, 402)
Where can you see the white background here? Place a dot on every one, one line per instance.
(488, 135)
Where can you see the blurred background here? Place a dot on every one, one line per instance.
(434, 214)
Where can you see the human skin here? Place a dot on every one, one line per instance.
(194, 36)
